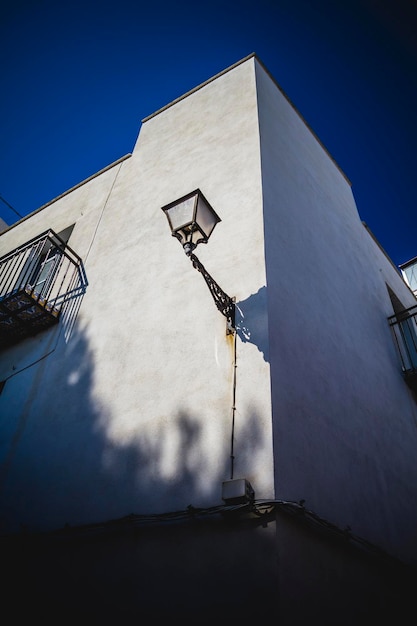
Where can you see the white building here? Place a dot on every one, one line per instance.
(134, 423)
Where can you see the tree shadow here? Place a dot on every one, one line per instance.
(62, 466)
(62, 471)
(60, 462)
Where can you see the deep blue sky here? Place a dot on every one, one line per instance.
(78, 77)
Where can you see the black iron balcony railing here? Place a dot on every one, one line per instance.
(404, 328)
(36, 281)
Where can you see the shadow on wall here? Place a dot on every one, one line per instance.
(62, 466)
(61, 469)
(252, 321)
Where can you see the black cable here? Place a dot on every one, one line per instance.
(262, 511)
(10, 207)
(232, 437)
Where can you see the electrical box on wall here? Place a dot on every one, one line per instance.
(237, 491)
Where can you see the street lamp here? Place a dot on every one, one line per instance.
(192, 219)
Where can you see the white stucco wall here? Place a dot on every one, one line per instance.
(344, 420)
(130, 407)
(127, 405)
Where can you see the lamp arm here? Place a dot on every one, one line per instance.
(224, 303)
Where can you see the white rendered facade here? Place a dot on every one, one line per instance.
(138, 401)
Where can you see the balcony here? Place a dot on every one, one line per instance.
(404, 328)
(37, 280)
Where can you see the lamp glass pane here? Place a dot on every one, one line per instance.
(181, 213)
(206, 217)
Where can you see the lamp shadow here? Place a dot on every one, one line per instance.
(252, 321)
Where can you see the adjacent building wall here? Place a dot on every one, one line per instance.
(345, 431)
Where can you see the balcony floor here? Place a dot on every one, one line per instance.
(23, 314)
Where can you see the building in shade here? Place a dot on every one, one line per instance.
(208, 382)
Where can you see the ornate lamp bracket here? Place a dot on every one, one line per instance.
(224, 303)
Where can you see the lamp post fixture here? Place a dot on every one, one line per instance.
(192, 220)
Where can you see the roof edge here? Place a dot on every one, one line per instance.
(290, 102)
(65, 193)
(200, 86)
